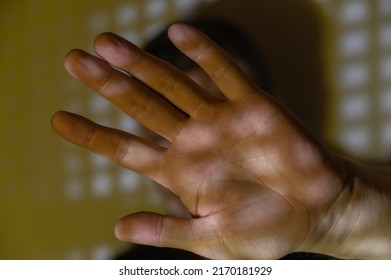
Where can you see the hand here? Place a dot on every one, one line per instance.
(256, 181)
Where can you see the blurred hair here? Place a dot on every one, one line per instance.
(229, 37)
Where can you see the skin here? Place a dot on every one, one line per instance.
(257, 182)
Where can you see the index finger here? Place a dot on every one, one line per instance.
(220, 67)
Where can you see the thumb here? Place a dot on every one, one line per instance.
(160, 231)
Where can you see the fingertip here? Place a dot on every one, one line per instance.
(104, 38)
(133, 227)
(75, 61)
(71, 127)
(118, 231)
(180, 33)
(121, 230)
(116, 50)
(61, 125)
(55, 121)
(176, 27)
(71, 55)
(67, 60)
(104, 35)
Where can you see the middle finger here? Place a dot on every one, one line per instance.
(162, 77)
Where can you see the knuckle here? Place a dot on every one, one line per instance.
(140, 105)
(168, 86)
(105, 81)
(221, 70)
(160, 230)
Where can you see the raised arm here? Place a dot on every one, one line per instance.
(257, 182)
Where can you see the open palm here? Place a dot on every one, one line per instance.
(255, 180)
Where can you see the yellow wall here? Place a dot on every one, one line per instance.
(60, 202)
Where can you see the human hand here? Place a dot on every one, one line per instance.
(256, 181)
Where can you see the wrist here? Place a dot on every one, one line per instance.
(358, 224)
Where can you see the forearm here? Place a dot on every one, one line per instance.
(358, 224)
